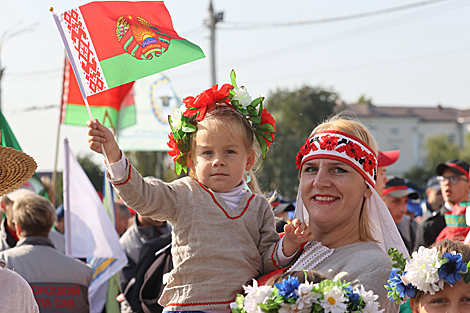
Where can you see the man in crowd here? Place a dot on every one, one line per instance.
(142, 230)
(453, 177)
(8, 236)
(385, 159)
(434, 199)
(395, 196)
(44, 268)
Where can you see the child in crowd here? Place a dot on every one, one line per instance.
(435, 279)
(223, 234)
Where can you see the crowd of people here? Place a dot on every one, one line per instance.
(196, 243)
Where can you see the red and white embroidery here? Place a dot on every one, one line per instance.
(338, 145)
(83, 51)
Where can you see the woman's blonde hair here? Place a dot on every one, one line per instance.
(34, 214)
(444, 246)
(225, 119)
(348, 123)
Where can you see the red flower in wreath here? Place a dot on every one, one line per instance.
(206, 101)
(328, 142)
(174, 152)
(304, 150)
(352, 150)
(369, 164)
(267, 118)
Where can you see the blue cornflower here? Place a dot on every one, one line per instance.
(397, 284)
(452, 270)
(353, 304)
(288, 287)
(353, 297)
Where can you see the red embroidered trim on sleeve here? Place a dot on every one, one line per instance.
(272, 255)
(198, 303)
(126, 179)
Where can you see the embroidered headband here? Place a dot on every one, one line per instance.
(184, 120)
(292, 296)
(340, 146)
(426, 270)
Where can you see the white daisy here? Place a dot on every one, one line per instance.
(176, 117)
(334, 301)
(256, 295)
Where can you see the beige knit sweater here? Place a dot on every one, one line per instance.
(215, 250)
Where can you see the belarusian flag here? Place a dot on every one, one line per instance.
(115, 42)
(114, 108)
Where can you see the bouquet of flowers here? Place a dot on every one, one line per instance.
(290, 296)
(426, 270)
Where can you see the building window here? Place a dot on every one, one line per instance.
(394, 131)
(452, 138)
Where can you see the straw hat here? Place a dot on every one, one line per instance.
(16, 168)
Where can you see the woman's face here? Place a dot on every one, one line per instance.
(332, 192)
(449, 300)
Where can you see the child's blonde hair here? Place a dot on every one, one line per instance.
(235, 125)
(312, 277)
(444, 246)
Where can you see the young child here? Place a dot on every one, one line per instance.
(434, 278)
(223, 235)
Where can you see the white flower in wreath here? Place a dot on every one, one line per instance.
(242, 95)
(294, 308)
(256, 295)
(176, 117)
(334, 300)
(306, 296)
(422, 270)
(369, 298)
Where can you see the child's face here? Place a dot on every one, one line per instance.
(450, 299)
(221, 160)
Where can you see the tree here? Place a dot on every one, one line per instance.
(440, 150)
(296, 113)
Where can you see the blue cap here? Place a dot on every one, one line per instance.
(433, 183)
(60, 211)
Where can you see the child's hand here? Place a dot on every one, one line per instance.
(99, 135)
(296, 233)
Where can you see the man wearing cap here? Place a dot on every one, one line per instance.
(434, 197)
(385, 159)
(8, 236)
(280, 210)
(395, 196)
(453, 178)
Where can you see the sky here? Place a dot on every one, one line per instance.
(410, 57)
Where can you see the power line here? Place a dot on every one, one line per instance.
(251, 25)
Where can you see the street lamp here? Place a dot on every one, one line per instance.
(9, 33)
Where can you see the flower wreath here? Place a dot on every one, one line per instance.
(292, 296)
(341, 146)
(426, 270)
(183, 120)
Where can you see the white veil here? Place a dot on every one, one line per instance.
(384, 229)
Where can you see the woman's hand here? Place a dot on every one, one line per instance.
(296, 233)
(100, 136)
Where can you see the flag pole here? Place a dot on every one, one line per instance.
(76, 72)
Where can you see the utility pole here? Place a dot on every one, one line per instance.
(213, 19)
(9, 33)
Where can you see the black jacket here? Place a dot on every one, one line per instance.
(430, 228)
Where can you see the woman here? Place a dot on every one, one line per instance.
(351, 225)
(438, 287)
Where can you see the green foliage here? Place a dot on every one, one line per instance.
(439, 150)
(296, 113)
(398, 258)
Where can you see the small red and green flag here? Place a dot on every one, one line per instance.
(114, 108)
(112, 43)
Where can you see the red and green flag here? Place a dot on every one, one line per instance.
(114, 108)
(112, 43)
